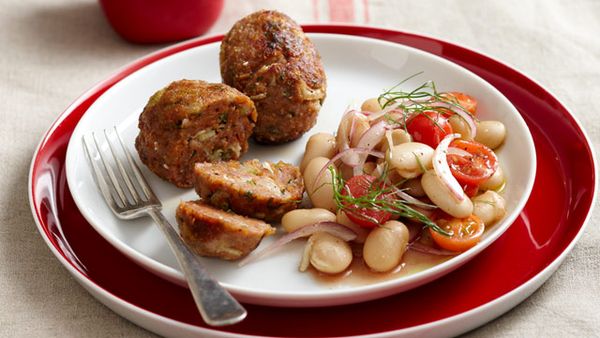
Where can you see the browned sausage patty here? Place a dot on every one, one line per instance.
(216, 233)
(193, 121)
(267, 56)
(260, 190)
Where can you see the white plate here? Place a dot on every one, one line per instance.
(357, 68)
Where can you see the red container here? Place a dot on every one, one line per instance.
(158, 21)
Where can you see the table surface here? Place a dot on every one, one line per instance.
(54, 50)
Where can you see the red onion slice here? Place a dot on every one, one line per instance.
(341, 154)
(372, 136)
(351, 132)
(442, 169)
(347, 131)
(369, 139)
(336, 229)
(413, 232)
(420, 247)
(345, 142)
(390, 141)
(375, 116)
(460, 112)
(458, 151)
(411, 200)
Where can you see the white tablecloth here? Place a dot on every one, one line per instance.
(52, 51)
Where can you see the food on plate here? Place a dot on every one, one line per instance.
(400, 178)
(489, 207)
(317, 184)
(428, 127)
(267, 56)
(332, 228)
(409, 159)
(461, 233)
(437, 191)
(318, 145)
(413, 187)
(495, 182)
(193, 121)
(263, 190)
(298, 218)
(326, 253)
(490, 133)
(214, 232)
(385, 245)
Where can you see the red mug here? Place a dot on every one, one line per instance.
(158, 21)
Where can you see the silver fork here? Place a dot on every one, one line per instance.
(129, 196)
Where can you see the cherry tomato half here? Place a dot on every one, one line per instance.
(474, 169)
(428, 127)
(359, 186)
(465, 233)
(464, 100)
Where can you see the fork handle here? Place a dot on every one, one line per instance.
(216, 305)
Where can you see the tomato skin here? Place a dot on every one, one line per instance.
(466, 101)
(428, 127)
(358, 186)
(473, 170)
(471, 189)
(466, 233)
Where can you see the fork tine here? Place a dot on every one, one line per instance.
(98, 175)
(112, 178)
(125, 174)
(140, 178)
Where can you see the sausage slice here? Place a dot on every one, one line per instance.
(252, 188)
(217, 233)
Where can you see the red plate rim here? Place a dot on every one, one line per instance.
(498, 305)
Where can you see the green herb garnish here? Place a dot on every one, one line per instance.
(371, 200)
(421, 166)
(417, 101)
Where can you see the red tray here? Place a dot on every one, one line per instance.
(499, 278)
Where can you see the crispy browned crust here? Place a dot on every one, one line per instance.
(193, 121)
(260, 190)
(213, 232)
(267, 56)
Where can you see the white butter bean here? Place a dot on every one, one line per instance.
(398, 136)
(327, 253)
(359, 129)
(385, 246)
(489, 207)
(491, 133)
(459, 125)
(495, 181)
(371, 105)
(320, 190)
(355, 123)
(298, 218)
(439, 194)
(318, 145)
(409, 158)
(393, 117)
